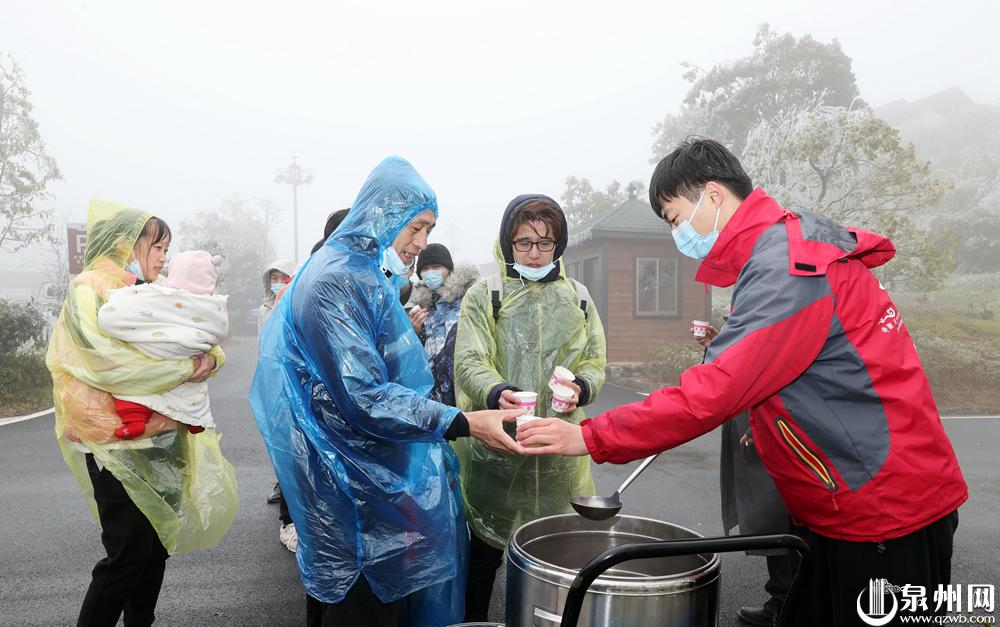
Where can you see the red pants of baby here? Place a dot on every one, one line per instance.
(134, 418)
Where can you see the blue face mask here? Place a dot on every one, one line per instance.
(393, 264)
(433, 278)
(534, 274)
(136, 269)
(276, 287)
(692, 243)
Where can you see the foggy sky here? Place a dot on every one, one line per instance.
(175, 107)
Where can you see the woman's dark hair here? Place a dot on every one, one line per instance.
(155, 230)
(693, 163)
(539, 211)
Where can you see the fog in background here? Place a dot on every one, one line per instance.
(174, 107)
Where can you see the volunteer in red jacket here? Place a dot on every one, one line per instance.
(841, 410)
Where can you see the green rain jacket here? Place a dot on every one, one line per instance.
(540, 326)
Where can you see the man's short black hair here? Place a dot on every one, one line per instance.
(696, 161)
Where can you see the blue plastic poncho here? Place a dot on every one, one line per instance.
(340, 397)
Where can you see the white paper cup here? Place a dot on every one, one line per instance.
(525, 419)
(561, 376)
(699, 328)
(527, 401)
(561, 397)
(521, 420)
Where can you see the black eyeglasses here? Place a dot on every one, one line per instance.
(544, 245)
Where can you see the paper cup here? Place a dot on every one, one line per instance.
(527, 401)
(699, 328)
(521, 420)
(561, 376)
(525, 419)
(561, 397)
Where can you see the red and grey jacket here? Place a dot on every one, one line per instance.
(841, 410)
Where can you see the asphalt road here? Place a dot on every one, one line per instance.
(49, 542)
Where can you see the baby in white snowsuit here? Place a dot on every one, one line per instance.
(177, 318)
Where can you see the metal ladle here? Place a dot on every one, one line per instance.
(604, 507)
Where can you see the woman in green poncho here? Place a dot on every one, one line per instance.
(166, 493)
(513, 330)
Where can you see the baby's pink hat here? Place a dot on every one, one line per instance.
(194, 270)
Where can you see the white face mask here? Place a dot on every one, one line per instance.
(534, 274)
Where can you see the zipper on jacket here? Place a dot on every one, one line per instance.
(807, 457)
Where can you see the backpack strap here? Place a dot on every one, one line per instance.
(494, 283)
(582, 294)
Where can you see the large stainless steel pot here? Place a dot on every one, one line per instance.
(545, 556)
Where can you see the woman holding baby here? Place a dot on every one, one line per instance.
(129, 357)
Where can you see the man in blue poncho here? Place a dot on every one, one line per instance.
(340, 397)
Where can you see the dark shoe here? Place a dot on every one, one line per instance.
(766, 616)
(275, 495)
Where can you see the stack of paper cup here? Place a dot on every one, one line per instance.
(561, 397)
(527, 401)
(561, 376)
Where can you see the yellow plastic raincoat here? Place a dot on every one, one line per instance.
(180, 481)
(540, 326)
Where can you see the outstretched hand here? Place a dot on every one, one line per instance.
(552, 436)
(487, 427)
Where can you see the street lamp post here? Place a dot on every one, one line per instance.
(295, 175)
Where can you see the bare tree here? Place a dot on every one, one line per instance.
(55, 260)
(270, 215)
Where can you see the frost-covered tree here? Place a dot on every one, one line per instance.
(850, 166)
(25, 166)
(583, 203)
(781, 75)
(978, 247)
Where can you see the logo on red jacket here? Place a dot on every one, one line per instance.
(891, 320)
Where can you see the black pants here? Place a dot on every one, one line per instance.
(484, 560)
(359, 607)
(780, 574)
(127, 580)
(841, 570)
(283, 515)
